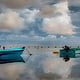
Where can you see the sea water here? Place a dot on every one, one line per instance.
(42, 65)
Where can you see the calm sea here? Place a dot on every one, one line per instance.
(42, 65)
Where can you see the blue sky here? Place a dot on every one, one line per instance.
(48, 22)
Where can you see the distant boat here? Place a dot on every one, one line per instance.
(11, 55)
(55, 52)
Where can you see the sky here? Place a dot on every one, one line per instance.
(42, 22)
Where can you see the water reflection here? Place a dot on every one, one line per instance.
(41, 66)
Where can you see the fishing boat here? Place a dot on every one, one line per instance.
(11, 55)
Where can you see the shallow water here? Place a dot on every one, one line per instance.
(42, 65)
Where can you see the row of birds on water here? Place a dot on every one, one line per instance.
(4, 47)
(51, 46)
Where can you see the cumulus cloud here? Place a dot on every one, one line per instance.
(30, 15)
(14, 20)
(57, 22)
(55, 9)
(54, 26)
(60, 23)
(56, 19)
(10, 21)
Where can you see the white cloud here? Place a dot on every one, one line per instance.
(32, 36)
(30, 15)
(57, 26)
(54, 10)
(50, 38)
(40, 40)
(17, 20)
(11, 21)
(60, 23)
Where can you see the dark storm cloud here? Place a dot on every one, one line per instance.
(74, 8)
(14, 3)
(75, 17)
(74, 2)
(22, 3)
